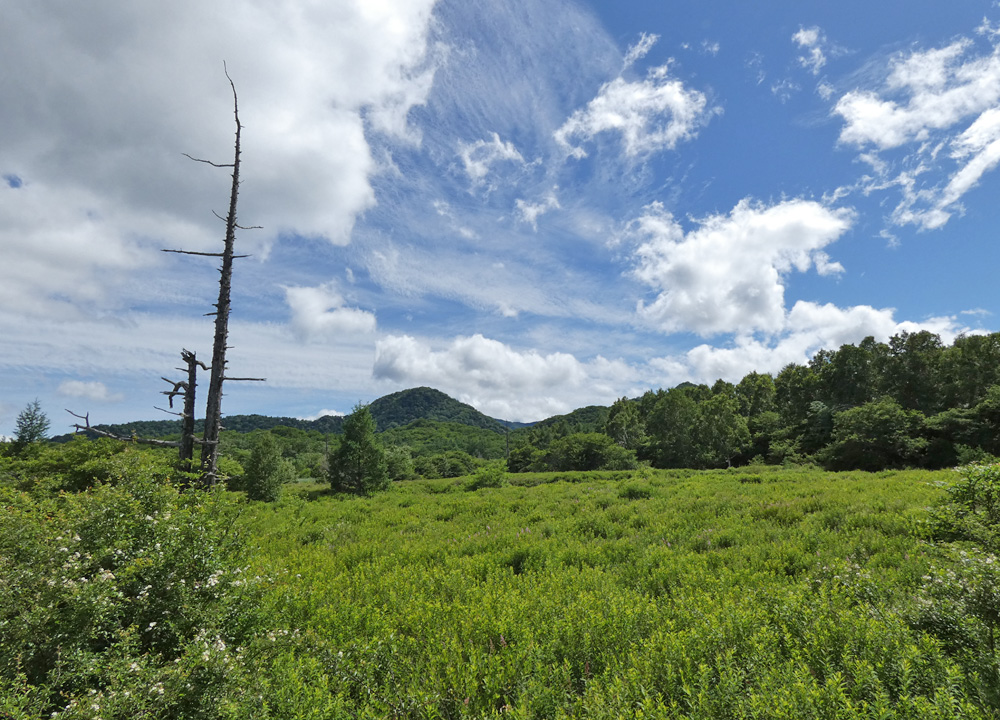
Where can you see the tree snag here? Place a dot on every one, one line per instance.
(213, 406)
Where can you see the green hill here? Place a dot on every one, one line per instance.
(424, 403)
(591, 418)
(394, 410)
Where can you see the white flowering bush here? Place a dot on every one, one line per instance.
(959, 599)
(126, 600)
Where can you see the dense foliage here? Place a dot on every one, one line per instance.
(911, 402)
(125, 600)
(762, 592)
(669, 594)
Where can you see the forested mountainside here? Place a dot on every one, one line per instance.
(424, 403)
(394, 410)
(586, 419)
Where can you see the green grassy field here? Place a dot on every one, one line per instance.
(762, 593)
(752, 593)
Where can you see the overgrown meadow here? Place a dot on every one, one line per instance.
(757, 593)
(665, 594)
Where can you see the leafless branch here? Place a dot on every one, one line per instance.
(145, 441)
(192, 252)
(168, 412)
(208, 162)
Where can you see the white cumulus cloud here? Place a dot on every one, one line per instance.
(320, 313)
(499, 380)
(324, 413)
(925, 91)
(939, 109)
(726, 276)
(88, 390)
(810, 327)
(106, 99)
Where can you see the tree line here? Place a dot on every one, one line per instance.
(909, 402)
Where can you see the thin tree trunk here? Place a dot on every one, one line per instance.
(213, 409)
(187, 419)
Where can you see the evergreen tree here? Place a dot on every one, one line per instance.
(359, 465)
(32, 425)
(266, 470)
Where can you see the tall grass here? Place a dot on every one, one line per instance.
(771, 593)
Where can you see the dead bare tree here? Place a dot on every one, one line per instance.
(189, 388)
(213, 406)
(186, 388)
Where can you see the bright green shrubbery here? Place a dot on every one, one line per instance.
(492, 474)
(669, 594)
(959, 601)
(777, 593)
(125, 600)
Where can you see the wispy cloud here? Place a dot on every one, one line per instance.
(479, 157)
(812, 40)
(530, 212)
(934, 106)
(651, 115)
(640, 49)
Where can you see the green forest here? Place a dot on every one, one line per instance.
(796, 546)
(911, 402)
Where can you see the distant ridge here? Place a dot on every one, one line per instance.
(391, 411)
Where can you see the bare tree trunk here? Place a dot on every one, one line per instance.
(187, 419)
(213, 408)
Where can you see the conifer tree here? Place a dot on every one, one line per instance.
(32, 425)
(359, 466)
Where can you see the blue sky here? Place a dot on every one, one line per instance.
(531, 205)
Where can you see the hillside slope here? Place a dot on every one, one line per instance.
(391, 411)
(424, 403)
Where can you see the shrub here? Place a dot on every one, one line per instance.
(399, 463)
(266, 471)
(126, 600)
(972, 510)
(491, 474)
(590, 451)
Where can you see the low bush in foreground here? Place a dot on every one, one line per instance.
(126, 600)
